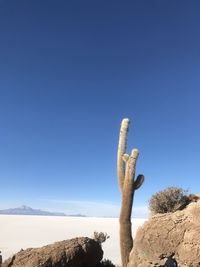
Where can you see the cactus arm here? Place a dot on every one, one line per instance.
(121, 152)
(130, 166)
(138, 182)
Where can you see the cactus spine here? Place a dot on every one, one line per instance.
(126, 179)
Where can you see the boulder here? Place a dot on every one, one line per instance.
(77, 252)
(175, 235)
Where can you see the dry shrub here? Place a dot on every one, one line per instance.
(105, 263)
(169, 200)
(100, 237)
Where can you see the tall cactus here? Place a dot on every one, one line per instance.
(126, 178)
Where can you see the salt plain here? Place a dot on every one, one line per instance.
(19, 231)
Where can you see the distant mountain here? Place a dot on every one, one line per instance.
(25, 210)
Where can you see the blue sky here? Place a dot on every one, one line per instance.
(69, 72)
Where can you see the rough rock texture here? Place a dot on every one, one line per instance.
(163, 235)
(77, 252)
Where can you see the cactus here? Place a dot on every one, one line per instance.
(126, 179)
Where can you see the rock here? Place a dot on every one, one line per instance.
(77, 252)
(171, 234)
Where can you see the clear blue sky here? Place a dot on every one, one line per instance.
(69, 72)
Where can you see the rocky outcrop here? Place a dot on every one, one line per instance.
(171, 234)
(77, 252)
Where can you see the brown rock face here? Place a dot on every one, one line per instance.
(163, 235)
(77, 252)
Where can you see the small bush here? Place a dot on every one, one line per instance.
(100, 237)
(105, 263)
(169, 200)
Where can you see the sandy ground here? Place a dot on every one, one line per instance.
(18, 231)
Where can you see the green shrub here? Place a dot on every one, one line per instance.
(100, 237)
(169, 200)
